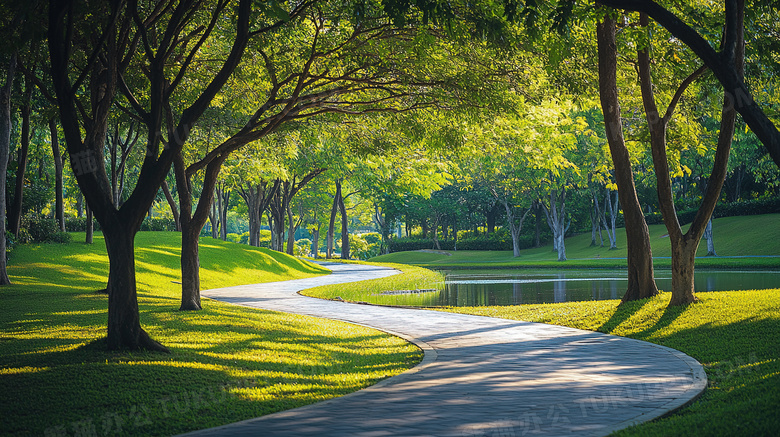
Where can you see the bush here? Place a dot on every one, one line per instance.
(405, 244)
(302, 247)
(60, 237)
(79, 224)
(158, 224)
(37, 230)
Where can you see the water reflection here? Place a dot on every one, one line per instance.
(492, 287)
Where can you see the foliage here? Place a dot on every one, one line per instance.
(228, 363)
(36, 229)
(744, 208)
(302, 247)
(79, 224)
(733, 334)
(158, 224)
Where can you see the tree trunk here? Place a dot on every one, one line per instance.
(172, 204)
(90, 225)
(291, 228)
(332, 224)
(190, 266)
(315, 242)
(515, 228)
(15, 208)
(344, 229)
(556, 219)
(5, 151)
(684, 246)
(59, 204)
(538, 225)
(709, 239)
(124, 327)
(641, 283)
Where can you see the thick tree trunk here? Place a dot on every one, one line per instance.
(59, 204)
(641, 283)
(124, 327)
(190, 267)
(5, 151)
(515, 228)
(291, 228)
(556, 219)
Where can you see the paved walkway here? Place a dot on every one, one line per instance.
(480, 376)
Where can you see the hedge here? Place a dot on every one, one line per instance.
(748, 207)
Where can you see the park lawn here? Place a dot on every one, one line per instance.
(411, 278)
(734, 334)
(744, 236)
(228, 363)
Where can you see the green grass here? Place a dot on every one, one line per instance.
(735, 335)
(228, 363)
(412, 278)
(734, 236)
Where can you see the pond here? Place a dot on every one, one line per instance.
(514, 287)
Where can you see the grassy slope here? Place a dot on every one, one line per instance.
(734, 236)
(228, 363)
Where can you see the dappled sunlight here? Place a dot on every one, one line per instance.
(20, 370)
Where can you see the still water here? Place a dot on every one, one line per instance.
(504, 287)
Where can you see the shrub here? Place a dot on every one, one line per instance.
(37, 229)
(158, 224)
(60, 237)
(79, 224)
(302, 247)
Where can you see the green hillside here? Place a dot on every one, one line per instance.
(228, 363)
(734, 237)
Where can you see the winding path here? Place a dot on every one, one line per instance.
(480, 376)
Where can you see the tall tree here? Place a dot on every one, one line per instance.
(134, 55)
(641, 281)
(685, 244)
(5, 148)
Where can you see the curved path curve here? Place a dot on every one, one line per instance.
(480, 376)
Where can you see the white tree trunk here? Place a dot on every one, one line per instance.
(708, 238)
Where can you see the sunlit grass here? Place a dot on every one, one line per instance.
(228, 363)
(734, 334)
(414, 280)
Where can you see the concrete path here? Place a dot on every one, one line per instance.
(480, 377)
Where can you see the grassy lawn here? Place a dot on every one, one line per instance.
(735, 335)
(412, 278)
(228, 363)
(734, 237)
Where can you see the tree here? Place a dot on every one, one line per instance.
(722, 63)
(684, 245)
(134, 56)
(5, 147)
(641, 282)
